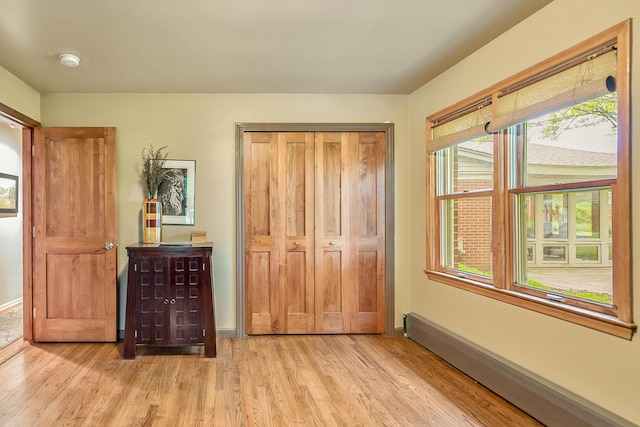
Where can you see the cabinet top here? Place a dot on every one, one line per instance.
(170, 247)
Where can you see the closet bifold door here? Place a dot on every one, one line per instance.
(279, 239)
(350, 232)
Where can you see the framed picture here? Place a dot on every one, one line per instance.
(177, 192)
(8, 193)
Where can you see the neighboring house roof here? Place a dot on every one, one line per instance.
(539, 154)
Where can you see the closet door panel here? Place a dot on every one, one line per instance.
(259, 294)
(332, 304)
(297, 217)
(259, 165)
(296, 186)
(366, 181)
(279, 218)
(333, 272)
(367, 235)
(260, 306)
(368, 300)
(299, 314)
(330, 146)
(367, 281)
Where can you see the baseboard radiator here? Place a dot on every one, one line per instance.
(546, 402)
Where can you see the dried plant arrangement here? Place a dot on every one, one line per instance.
(152, 168)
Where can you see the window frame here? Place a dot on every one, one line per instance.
(616, 320)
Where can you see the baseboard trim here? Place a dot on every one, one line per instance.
(226, 333)
(10, 305)
(546, 402)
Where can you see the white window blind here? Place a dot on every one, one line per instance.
(467, 126)
(590, 79)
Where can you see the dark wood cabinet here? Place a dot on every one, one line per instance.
(169, 298)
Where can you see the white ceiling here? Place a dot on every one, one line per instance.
(247, 46)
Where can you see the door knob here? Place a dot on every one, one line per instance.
(332, 243)
(297, 243)
(108, 245)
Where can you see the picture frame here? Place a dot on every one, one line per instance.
(177, 192)
(9, 191)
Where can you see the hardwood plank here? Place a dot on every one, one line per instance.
(331, 380)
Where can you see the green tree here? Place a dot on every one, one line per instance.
(591, 113)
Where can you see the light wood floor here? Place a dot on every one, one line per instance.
(259, 381)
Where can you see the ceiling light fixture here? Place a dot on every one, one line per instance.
(69, 60)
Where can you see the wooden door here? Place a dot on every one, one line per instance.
(74, 280)
(350, 233)
(279, 239)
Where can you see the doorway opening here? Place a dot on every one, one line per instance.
(16, 132)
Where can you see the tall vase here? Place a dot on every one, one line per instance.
(151, 221)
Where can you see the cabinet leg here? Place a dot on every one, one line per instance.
(210, 348)
(129, 349)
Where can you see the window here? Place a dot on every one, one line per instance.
(529, 188)
(560, 188)
(465, 207)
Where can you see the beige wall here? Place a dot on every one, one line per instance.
(599, 367)
(18, 95)
(202, 127)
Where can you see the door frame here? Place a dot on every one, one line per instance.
(27, 221)
(388, 129)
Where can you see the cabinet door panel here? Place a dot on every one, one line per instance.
(150, 294)
(185, 301)
(159, 326)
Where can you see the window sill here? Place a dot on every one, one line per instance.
(594, 320)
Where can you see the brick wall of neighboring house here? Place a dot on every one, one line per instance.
(472, 224)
